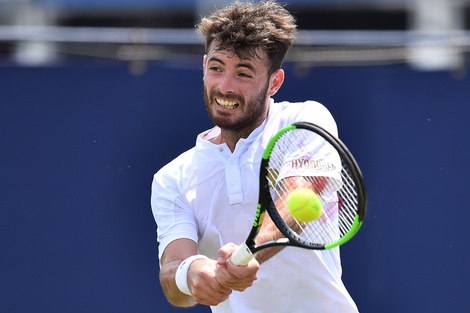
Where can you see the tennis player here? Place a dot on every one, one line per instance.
(204, 200)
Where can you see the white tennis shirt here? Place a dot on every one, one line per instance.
(209, 194)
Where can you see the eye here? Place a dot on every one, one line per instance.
(214, 67)
(245, 75)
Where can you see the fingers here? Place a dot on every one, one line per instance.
(225, 252)
(211, 282)
(232, 276)
(209, 294)
(237, 277)
(203, 284)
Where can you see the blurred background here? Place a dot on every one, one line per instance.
(97, 95)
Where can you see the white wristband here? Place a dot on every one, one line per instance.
(181, 276)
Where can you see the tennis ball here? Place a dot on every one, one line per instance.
(304, 205)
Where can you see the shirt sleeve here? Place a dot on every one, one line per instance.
(318, 158)
(174, 217)
(308, 111)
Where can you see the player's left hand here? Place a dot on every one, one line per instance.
(232, 276)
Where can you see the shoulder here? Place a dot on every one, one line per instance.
(308, 111)
(172, 171)
(189, 158)
(201, 161)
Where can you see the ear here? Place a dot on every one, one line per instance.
(204, 61)
(275, 82)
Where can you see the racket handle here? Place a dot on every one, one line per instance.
(242, 256)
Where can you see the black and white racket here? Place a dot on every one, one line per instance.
(304, 155)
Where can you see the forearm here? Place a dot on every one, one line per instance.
(268, 232)
(200, 275)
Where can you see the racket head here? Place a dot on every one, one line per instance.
(304, 155)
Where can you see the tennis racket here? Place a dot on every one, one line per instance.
(304, 155)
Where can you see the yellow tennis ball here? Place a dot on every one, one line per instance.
(304, 205)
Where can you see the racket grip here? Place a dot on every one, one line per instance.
(242, 256)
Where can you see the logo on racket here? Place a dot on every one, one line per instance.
(315, 164)
(259, 217)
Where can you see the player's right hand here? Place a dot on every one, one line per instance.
(204, 285)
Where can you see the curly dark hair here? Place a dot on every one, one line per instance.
(245, 28)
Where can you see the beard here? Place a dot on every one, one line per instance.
(255, 110)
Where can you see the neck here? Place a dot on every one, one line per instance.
(228, 137)
(231, 137)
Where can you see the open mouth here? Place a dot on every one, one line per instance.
(228, 104)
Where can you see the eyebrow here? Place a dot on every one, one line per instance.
(245, 65)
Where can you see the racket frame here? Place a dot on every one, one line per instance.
(266, 203)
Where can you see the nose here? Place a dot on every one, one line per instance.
(226, 83)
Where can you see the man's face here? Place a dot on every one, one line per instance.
(236, 90)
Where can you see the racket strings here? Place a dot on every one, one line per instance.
(349, 201)
(298, 160)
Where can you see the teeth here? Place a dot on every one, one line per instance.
(226, 103)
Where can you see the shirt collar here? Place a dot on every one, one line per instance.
(205, 137)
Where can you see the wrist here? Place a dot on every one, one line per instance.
(181, 275)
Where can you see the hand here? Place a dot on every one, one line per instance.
(203, 283)
(232, 276)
